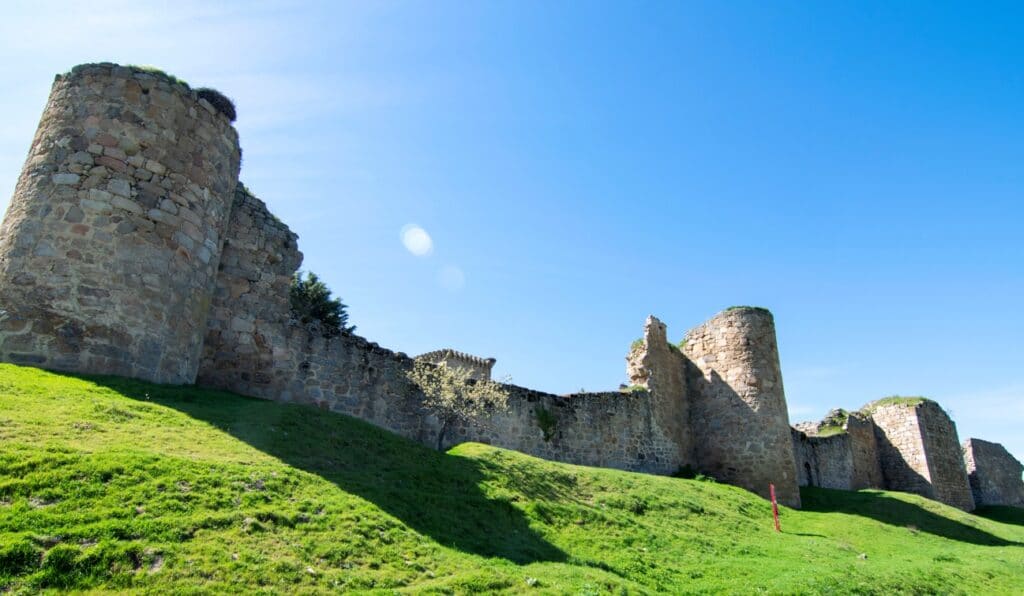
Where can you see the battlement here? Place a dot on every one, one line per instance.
(478, 368)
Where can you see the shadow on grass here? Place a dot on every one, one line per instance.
(434, 493)
(1002, 514)
(894, 512)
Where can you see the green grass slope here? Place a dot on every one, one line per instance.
(112, 484)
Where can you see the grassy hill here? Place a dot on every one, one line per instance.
(113, 484)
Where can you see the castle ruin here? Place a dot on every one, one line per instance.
(130, 248)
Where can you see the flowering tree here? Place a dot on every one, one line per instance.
(453, 395)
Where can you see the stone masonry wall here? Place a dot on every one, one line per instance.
(259, 257)
(110, 246)
(994, 474)
(901, 451)
(621, 430)
(846, 460)
(253, 347)
(919, 452)
(945, 457)
(824, 461)
(867, 472)
(738, 412)
(660, 367)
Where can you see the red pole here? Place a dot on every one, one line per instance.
(775, 507)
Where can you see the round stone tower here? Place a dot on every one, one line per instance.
(110, 247)
(738, 414)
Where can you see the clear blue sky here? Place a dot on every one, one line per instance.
(855, 168)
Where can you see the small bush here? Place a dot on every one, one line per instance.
(547, 423)
(219, 101)
(60, 566)
(638, 506)
(18, 558)
(686, 472)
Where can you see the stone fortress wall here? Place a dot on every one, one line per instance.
(910, 445)
(130, 248)
(109, 250)
(738, 403)
(994, 474)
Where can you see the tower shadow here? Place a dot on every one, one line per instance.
(1002, 514)
(895, 512)
(434, 493)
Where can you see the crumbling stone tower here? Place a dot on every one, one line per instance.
(110, 247)
(993, 473)
(919, 451)
(658, 366)
(738, 412)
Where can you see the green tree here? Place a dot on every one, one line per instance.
(311, 301)
(453, 395)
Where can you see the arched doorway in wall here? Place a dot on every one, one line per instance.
(810, 476)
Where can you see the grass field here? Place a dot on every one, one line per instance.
(111, 484)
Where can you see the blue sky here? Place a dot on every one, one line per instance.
(856, 168)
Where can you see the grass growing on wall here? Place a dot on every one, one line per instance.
(893, 400)
(153, 70)
(830, 431)
(116, 485)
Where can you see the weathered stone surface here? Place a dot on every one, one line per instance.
(994, 474)
(739, 411)
(823, 461)
(919, 452)
(844, 458)
(155, 334)
(66, 178)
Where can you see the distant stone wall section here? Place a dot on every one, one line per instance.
(946, 468)
(476, 367)
(845, 459)
(994, 474)
(901, 450)
(867, 469)
(660, 367)
(110, 246)
(907, 445)
(826, 462)
(621, 430)
(739, 411)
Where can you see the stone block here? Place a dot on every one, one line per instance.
(66, 178)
